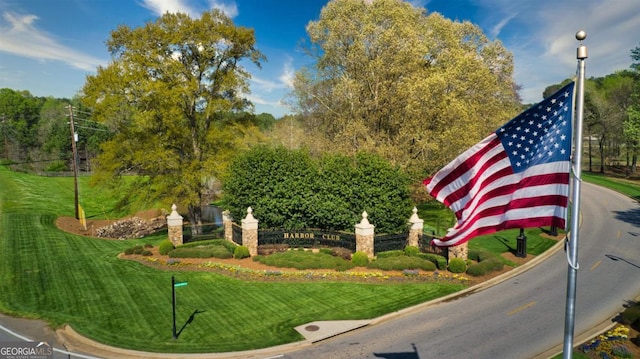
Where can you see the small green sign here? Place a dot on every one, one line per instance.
(180, 284)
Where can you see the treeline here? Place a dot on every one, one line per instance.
(36, 132)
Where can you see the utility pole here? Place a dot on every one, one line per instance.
(74, 155)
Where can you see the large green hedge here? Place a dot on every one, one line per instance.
(290, 189)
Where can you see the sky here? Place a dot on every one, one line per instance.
(49, 47)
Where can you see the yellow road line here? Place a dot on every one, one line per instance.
(596, 265)
(531, 304)
(619, 235)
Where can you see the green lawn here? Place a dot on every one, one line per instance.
(67, 279)
(627, 187)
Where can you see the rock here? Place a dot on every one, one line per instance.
(128, 228)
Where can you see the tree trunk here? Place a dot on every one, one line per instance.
(195, 217)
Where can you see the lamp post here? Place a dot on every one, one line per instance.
(521, 245)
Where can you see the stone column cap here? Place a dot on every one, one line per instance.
(174, 219)
(415, 221)
(364, 228)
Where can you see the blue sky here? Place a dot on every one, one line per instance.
(48, 47)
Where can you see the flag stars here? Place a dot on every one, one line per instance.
(539, 134)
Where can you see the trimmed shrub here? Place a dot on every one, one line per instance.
(411, 251)
(165, 247)
(457, 265)
(321, 192)
(304, 260)
(241, 252)
(326, 251)
(203, 249)
(137, 249)
(402, 263)
(438, 260)
(230, 246)
(220, 251)
(191, 252)
(360, 259)
(387, 254)
(484, 267)
(631, 315)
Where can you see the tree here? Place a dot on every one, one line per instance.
(635, 56)
(632, 124)
(54, 136)
(607, 103)
(167, 96)
(18, 119)
(415, 88)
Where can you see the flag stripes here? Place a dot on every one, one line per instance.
(516, 177)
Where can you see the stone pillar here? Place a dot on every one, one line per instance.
(459, 251)
(415, 230)
(227, 224)
(174, 225)
(365, 236)
(250, 233)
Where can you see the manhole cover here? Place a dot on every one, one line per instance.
(311, 328)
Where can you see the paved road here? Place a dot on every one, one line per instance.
(523, 316)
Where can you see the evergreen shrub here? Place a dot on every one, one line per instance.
(401, 263)
(484, 267)
(438, 260)
(387, 254)
(230, 246)
(360, 259)
(241, 252)
(411, 251)
(191, 252)
(631, 315)
(321, 193)
(165, 247)
(457, 265)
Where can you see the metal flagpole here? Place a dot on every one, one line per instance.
(572, 244)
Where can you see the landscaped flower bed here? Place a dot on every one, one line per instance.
(613, 344)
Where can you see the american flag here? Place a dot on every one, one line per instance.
(517, 177)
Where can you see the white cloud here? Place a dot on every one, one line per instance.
(283, 81)
(18, 30)
(160, 7)
(495, 30)
(288, 74)
(229, 8)
(542, 37)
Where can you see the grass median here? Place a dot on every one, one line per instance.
(67, 279)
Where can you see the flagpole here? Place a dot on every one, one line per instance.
(572, 244)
